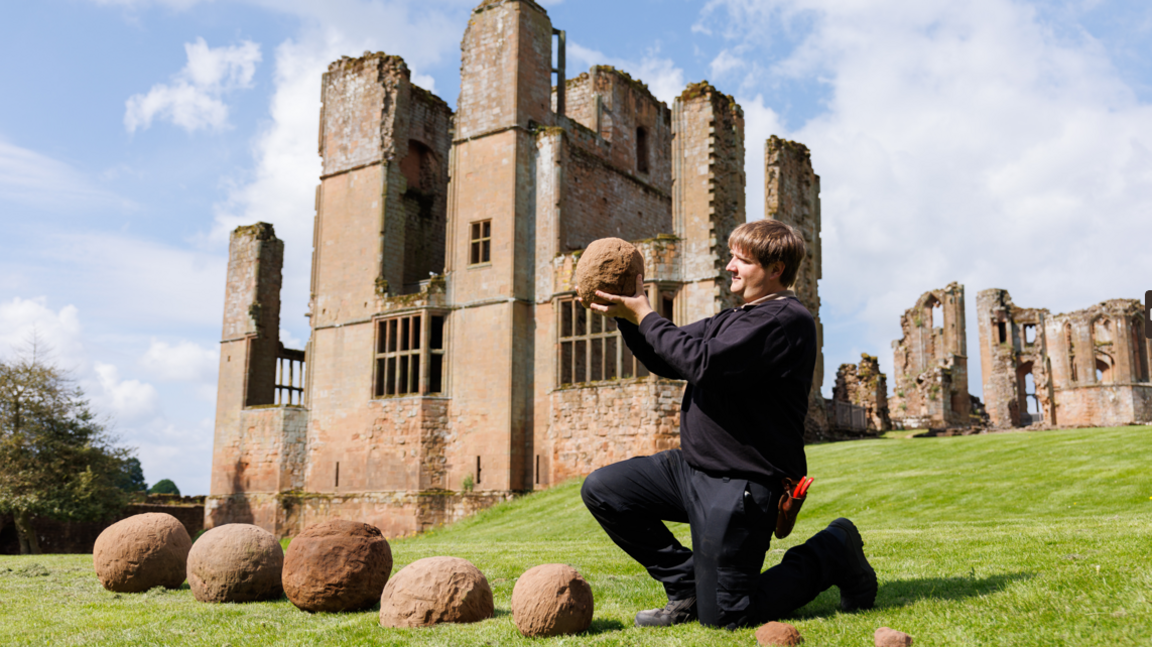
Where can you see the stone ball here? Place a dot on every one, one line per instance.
(142, 552)
(551, 600)
(237, 562)
(337, 565)
(433, 590)
(610, 265)
(778, 633)
(886, 637)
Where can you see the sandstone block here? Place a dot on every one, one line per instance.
(337, 565)
(142, 552)
(778, 633)
(609, 265)
(237, 562)
(551, 600)
(886, 637)
(433, 590)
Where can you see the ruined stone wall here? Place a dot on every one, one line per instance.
(599, 424)
(1013, 344)
(931, 363)
(250, 341)
(1099, 364)
(601, 201)
(864, 385)
(1088, 367)
(792, 196)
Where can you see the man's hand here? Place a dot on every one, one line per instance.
(633, 308)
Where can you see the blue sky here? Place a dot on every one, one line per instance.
(998, 143)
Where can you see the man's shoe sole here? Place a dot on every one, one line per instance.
(865, 599)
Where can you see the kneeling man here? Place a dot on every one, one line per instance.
(749, 371)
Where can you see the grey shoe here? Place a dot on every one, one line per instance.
(674, 613)
(858, 581)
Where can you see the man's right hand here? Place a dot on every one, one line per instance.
(633, 308)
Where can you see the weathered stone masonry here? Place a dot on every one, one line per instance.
(1082, 369)
(931, 363)
(448, 367)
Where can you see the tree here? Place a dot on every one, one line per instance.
(56, 459)
(165, 486)
(131, 478)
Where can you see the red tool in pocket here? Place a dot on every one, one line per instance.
(790, 503)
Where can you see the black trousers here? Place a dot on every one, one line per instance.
(732, 522)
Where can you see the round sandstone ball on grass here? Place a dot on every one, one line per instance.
(610, 265)
(778, 633)
(142, 552)
(237, 562)
(433, 590)
(337, 565)
(552, 600)
(886, 637)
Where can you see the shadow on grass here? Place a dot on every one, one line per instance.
(904, 592)
(602, 625)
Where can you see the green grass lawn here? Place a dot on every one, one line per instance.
(1041, 538)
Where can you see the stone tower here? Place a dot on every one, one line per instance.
(792, 196)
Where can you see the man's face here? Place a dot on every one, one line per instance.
(746, 272)
(750, 280)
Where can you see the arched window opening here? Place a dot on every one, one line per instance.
(641, 150)
(1103, 369)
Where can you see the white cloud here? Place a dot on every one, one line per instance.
(35, 179)
(281, 190)
(128, 401)
(193, 100)
(23, 319)
(183, 361)
(959, 142)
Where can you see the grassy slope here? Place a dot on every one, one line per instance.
(1009, 539)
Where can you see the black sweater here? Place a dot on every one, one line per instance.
(749, 371)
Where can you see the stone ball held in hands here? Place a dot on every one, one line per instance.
(610, 265)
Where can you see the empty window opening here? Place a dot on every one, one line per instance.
(1070, 343)
(1002, 328)
(1103, 369)
(290, 377)
(641, 150)
(481, 249)
(401, 353)
(419, 167)
(667, 304)
(337, 473)
(1139, 351)
(436, 355)
(477, 470)
(591, 349)
(537, 469)
(1029, 333)
(1030, 394)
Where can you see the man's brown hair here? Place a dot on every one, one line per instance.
(769, 241)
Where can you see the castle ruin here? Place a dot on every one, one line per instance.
(1086, 368)
(931, 363)
(448, 366)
